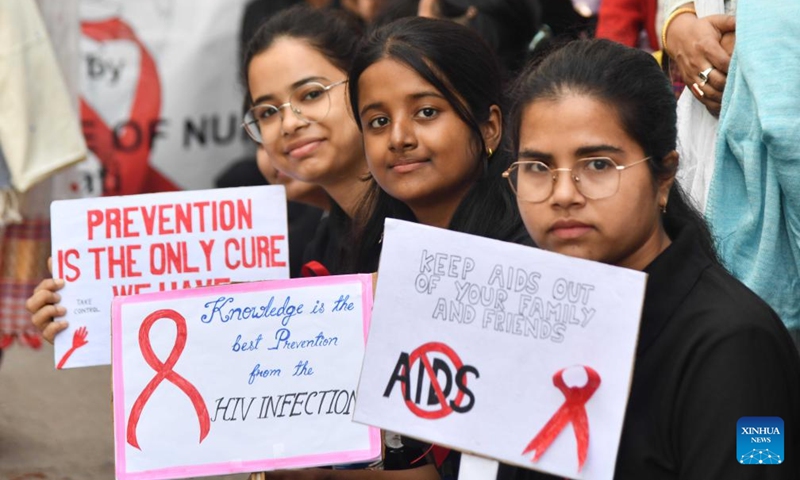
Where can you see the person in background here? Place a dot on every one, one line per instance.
(594, 129)
(698, 38)
(754, 196)
(629, 22)
(366, 10)
(508, 26)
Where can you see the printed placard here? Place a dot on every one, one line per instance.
(110, 246)
(503, 350)
(238, 378)
(150, 125)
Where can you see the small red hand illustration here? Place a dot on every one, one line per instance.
(78, 340)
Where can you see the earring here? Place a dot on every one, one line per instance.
(663, 208)
(489, 151)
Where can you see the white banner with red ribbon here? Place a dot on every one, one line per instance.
(161, 102)
(240, 378)
(111, 246)
(502, 350)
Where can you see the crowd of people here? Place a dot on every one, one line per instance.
(370, 111)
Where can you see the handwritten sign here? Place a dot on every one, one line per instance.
(510, 352)
(104, 247)
(239, 378)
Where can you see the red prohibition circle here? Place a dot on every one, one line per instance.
(421, 354)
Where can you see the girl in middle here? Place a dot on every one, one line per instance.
(426, 95)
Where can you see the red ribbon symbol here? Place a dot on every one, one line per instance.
(164, 372)
(126, 167)
(571, 411)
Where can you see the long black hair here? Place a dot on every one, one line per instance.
(630, 81)
(459, 64)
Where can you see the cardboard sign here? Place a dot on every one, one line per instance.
(143, 243)
(239, 378)
(503, 350)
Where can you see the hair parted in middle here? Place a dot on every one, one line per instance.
(462, 67)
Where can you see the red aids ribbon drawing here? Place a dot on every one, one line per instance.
(572, 410)
(164, 372)
(78, 340)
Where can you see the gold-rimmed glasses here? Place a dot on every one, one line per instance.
(596, 177)
(310, 102)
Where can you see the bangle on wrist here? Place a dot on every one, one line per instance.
(669, 20)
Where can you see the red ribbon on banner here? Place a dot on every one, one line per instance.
(571, 411)
(164, 372)
(126, 169)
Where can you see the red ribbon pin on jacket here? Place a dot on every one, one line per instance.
(571, 411)
(164, 372)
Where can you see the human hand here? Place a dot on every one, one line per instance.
(696, 44)
(43, 308)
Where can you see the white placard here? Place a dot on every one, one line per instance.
(111, 246)
(238, 378)
(502, 326)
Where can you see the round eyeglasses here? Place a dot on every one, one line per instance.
(310, 102)
(595, 178)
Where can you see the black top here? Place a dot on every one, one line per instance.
(327, 245)
(710, 351)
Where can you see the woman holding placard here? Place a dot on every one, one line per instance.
(295, 70)
(595, 131)
(426, 95)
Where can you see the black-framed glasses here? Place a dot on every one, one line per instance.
(595, 178)
(310, 102)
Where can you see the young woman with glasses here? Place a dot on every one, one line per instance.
(594, 126)
(295, 70)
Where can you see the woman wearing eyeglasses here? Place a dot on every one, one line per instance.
(595, 132)
(295, 70)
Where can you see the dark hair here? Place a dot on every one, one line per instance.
(508, 26)
(459, 64)
(631, 82)
(332, 32)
